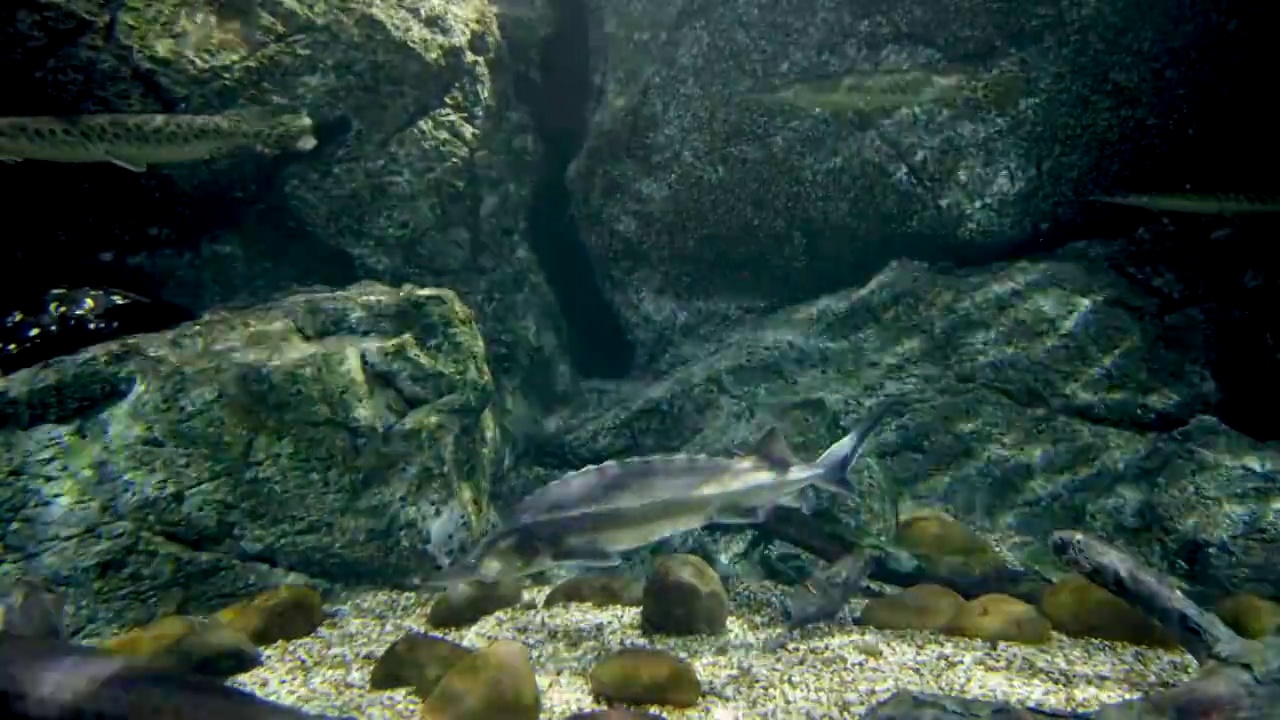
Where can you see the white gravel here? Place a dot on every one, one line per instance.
(824, 671)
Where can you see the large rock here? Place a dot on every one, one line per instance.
(423, 174)
(703, 198)
(329, 434)
(1040, 394)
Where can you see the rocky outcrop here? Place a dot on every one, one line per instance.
(327, 435)
(423, 174)
(743, 155)
(1039, 394)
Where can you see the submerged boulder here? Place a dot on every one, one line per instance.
(1038, 394)
(320, 436)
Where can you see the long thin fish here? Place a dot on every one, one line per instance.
(590, 516)
(135, 141)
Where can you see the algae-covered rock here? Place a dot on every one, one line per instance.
(287, 612)
(683, 595)
(601, 590)
(29, 609)
(1079, 608)
(744, 230)
(188, 644)
(919, 607)
(417, 661)
(946, 546)
(1007, 422)
(645, 676)
(319, 436)
(1249, 615)
(471, 601)
(497, 681)
(1000, 617)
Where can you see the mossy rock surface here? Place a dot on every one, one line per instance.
(183, 644)
(1249, 615)
(1079, 608)
(683, 595)
(467, 603)
(417, 661)
(284, 613)
(600, 590)
(646, 676)
(920, 607)
(313, 440)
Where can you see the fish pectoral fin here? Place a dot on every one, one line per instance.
(587, 556)
(126, 164)
(773, 449)
(741, 515)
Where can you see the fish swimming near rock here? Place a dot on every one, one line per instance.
(880, 92)
(136, 141)
(588, 517)
(1196, 204)
(44, 677)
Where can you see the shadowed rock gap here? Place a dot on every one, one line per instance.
(598, 342)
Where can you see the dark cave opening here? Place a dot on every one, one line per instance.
(598, 342)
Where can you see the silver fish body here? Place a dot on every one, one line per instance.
(588, 517)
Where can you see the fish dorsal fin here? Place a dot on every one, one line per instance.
(773, 449)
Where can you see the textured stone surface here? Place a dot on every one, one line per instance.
(701, 204)
(423, 174)
(323, 434)
(1040, 394)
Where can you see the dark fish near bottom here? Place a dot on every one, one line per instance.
(45, 677)
(48, 679)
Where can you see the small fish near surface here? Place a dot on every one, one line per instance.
(136, 141)
(45, 677)
(588, 517)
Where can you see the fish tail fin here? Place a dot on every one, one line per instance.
(836, 460)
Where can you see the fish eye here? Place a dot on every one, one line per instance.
(490, 567)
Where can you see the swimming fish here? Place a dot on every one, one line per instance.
(135, 141)
(588, 517)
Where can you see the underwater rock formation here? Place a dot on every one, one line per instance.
(726, 174)
(422, 175)
(1041, 394)
(322, 434)
(1240, 678)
